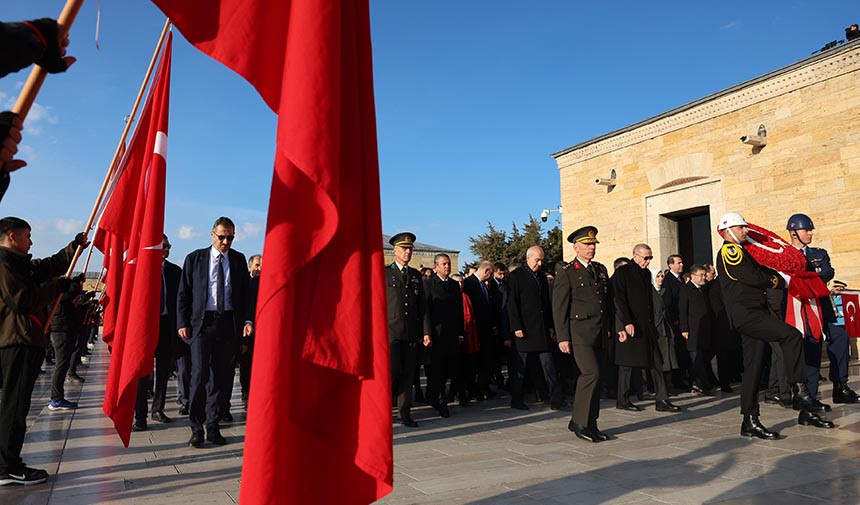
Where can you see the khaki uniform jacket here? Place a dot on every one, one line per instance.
(28, 289)
(408, 318)
(579, 304)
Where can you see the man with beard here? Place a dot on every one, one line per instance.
(637, 335)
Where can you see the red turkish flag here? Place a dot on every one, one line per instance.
(850, 312)
(319, 419)
(111, 245)
(135, 215)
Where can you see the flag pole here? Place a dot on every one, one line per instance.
(89, 255)
(113, 164)
(38, 74)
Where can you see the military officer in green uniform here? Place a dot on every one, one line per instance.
(580, 312)
(408, 322)
(744, 283)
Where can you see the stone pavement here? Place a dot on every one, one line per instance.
(484, 453)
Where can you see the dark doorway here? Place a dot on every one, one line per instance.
(694, 235)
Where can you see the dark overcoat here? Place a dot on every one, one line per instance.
(529, 309)
(631, 286)
(694, 309)
(483, 311)
(445, 308)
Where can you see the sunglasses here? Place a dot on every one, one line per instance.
(222, 238)
(646, 258)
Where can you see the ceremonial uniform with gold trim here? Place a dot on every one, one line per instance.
(744, 283)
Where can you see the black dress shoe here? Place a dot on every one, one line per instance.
(752, 427)
(519, 406)
(813, 419)
(727, 389)
(647, 396)
(583, 433)
(214, 435)
(667, 406)
(410, 423)
(599, 434)
(628, 406)
(196, 440)
(160, 417)
(443, 411)
(560, 405)
(843, 394)
(827, 408)
(138, 426)
(227, 417)
(183, 410)
(803, 400)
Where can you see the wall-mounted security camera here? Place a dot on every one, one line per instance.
(544, 215)
(602, 181)
(754, 140)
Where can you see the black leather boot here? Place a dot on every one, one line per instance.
(805, 401)
(813, 419)
(752, 427)
(843, 394)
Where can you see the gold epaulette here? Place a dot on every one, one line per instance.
(732, 255)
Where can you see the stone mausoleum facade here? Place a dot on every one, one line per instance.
(675, 174)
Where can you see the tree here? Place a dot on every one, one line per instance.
(489, 246)
(495, 245)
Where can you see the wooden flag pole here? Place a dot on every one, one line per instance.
(112, 166)
(38, 74)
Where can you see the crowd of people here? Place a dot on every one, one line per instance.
(206, 332)
(573, 331)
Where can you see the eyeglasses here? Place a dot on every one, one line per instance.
(222, 238)
(646, 258)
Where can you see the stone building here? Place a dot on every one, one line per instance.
(669, 178)
(422, 254)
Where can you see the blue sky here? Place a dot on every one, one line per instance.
(471, 97)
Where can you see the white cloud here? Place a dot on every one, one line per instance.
(731, 24)
(185, 232)
(249, 230)
(68, 226)
(26, 153)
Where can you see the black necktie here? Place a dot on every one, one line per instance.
(484, 289)
(163, 292)
(405, 272)
(219, 285)
(590, 269)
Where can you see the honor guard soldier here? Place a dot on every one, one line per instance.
(800, 229)
(744, 281)
(408, 322)
(579, 307)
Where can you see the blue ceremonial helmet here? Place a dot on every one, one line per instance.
(799, 222)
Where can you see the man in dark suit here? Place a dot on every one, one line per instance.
(697, 322)
(486, 323)
(531, 323)
(165, 352)
(212, 315)
(744, 283)
(635, 330)
(408, 322)
(246, 348)
(445, 309)
(579, 307)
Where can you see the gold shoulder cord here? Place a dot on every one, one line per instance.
(732, 256)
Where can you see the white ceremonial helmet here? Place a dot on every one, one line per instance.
(730, 219)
